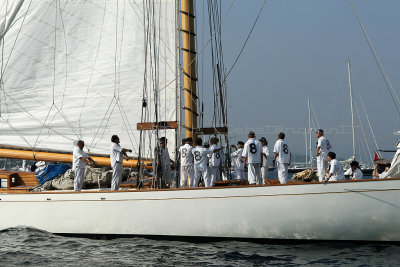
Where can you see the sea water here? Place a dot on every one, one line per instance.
(31, 247)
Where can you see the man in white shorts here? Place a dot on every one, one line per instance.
(252, 155)
(282, 153)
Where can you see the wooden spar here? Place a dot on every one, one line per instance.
(159, 125)
(189, 67)
(63, 157)
(212, 130)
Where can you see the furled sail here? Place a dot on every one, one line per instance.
(80, 70)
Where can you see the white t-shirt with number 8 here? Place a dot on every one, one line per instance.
(282, 149)
(200, 158)
(252, 150)
(186, 155)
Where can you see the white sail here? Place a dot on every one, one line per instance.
(76, 70)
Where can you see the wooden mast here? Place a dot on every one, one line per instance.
(189, 68)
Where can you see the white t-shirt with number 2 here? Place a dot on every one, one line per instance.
(325, 146)
(282, 149)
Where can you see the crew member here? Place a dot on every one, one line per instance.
(335, 172)
(376, 174)
(282, 153)
(200, 156)
(215, 161)
(265, 155)
(186, 158)
(116, 157)
(79, 161)
(354, 171)
(252, 155)
(165, 161)
(238, 162)
(323, 147)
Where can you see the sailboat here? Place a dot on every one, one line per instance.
(91, 69)
(346, 163)
(308, 164)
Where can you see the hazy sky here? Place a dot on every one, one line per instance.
(299, 49)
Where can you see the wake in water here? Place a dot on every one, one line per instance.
(33, 247)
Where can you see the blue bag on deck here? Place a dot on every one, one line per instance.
(51, 172)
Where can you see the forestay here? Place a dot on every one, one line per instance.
(78, 69)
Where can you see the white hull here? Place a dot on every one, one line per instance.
(365, 210)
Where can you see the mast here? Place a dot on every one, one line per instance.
(309, 130)
(351, 108)
(189, 67)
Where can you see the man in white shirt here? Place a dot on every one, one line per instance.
(323, 147)
(186, 158)
(335, 172)
(283, 154)
(238, 162)
(116, 157)
(215, 161)
(79, 160)
(252, 155)
(200, 156)
(265, 155)
(354, 171)
(376, 174)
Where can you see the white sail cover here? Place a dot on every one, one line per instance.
(394, 170)
(79, 70)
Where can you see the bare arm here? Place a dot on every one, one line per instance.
(92, 161)
(124, 150)
(375, 173)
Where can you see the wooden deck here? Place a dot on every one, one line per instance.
(21, 182)
(18, 181)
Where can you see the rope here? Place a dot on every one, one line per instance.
(12, 127)
(369, 122)
(13, 46)
(389, 86)
(92, 71)
(365, 137)
(248, 37)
